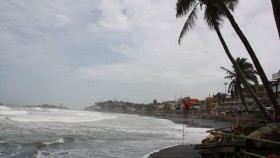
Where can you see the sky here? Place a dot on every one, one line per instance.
(78, 52)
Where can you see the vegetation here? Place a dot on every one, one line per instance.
(276, 12)
(265, 81)
(235, 86)
(111, 105)
(52, 106)
(214, 11)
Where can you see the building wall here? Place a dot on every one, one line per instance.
(276, 79)
(261, 94)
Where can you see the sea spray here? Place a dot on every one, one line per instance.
(63, 133)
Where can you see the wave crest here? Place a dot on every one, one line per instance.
(41, 144)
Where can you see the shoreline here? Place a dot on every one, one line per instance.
(177, 151)
(185, 150)
(194, 122)
(190, 121)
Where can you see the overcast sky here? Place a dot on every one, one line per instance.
(78, 52)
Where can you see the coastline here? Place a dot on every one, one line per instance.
(182, 150)
(194, 122)
(185, 150)
(177, 151)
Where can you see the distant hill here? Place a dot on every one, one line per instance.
(52, 106)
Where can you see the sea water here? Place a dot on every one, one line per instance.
(27, 132)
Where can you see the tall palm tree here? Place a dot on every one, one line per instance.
(222, 5)
(235, 87)
(276, 12)
(213, 17)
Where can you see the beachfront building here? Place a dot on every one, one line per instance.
(208, 106)
(163, 109)
(233, 107)
(220, 104)
(213, 104)
(194, 104)
(275, 82)
(262, 95)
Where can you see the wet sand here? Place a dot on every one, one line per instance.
(187, 150)
(202, 123)
(178, 151)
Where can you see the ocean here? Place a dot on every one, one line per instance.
(34, 132)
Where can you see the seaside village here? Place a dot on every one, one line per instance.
(248, 132)
(220, 105)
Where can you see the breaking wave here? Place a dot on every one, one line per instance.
(37, 114)
(49, 143)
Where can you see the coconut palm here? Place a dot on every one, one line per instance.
(235, 87)
(222, 5)
(213, 17)
(276, 12)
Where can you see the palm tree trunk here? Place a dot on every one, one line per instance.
(242, 78)
(254, 58)
(246, 107)
(244, 103)
(276, 12)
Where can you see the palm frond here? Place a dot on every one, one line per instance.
(250, 74)
(228, 71)
(184, 6)
(253, 78)
(233, 94)
(229, 77)
(213, 15)
(189, 24)
(231, 85)
(248, 70)
(231, 4)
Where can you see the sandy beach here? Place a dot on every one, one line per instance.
(187, 150)
(178, 151)
(194, 122)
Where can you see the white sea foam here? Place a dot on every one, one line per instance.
(38, 154)
(59, 141)
(13, 112)
(4, 110)
(3, 107)
(37, 114)
(120, 135)
(35, 108)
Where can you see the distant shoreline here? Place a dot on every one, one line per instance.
(195, 122)
(191, 122)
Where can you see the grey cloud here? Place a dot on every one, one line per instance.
(80, 52)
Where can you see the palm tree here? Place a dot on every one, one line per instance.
(276, 12)
(213, 17)
(222, 5)
(235, 87)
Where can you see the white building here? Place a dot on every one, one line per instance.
(276, 83)
(276, 78)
